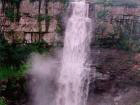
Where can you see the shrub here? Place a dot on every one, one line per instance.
(129, 43)
(11, 15)
(60, 27)
(12, 10)
(16, 54)
(43, 17)
(102, 14)
(9, 72)
(124, 42)
(109, 41)
(2, 101)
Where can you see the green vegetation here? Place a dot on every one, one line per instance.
(13, 69)
(15, 1)
(64, 1)
(59, 28)
(121, 35)
(33, 0)
(11, 9)
(126, 3)
(2, 101)
(11, 15)
(13, 56)
(102, 14)
(129, 4)
(123, 42)
(10, 72)
(17, 54)
(43, 17)
(105, 2)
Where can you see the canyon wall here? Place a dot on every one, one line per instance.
(33, 24)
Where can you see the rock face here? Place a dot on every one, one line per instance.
(53, 25)
(117, 78)
(55, 8)
(31, 23)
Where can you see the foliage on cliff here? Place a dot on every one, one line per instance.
(16, 54)
(127, 3)
(2, 101)
(11, 9)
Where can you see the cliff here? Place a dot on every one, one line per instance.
(31, 21)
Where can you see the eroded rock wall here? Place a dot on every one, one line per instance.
(32, 23)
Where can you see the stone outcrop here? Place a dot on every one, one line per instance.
(29, 26)
(115, 69)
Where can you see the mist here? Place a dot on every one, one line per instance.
(44, 74)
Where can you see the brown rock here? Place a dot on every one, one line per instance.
(55, 8)
(53, 25)
(137, 58)
(49, 38)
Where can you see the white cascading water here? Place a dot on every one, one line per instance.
(70, 84)
(74, 74)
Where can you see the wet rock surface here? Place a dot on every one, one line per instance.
(117, 78)
(31, 22)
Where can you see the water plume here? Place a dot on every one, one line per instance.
(43, 83)
(74, 74)
(69, 84)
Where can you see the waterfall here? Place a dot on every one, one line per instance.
(65, 82)
(74, 74)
